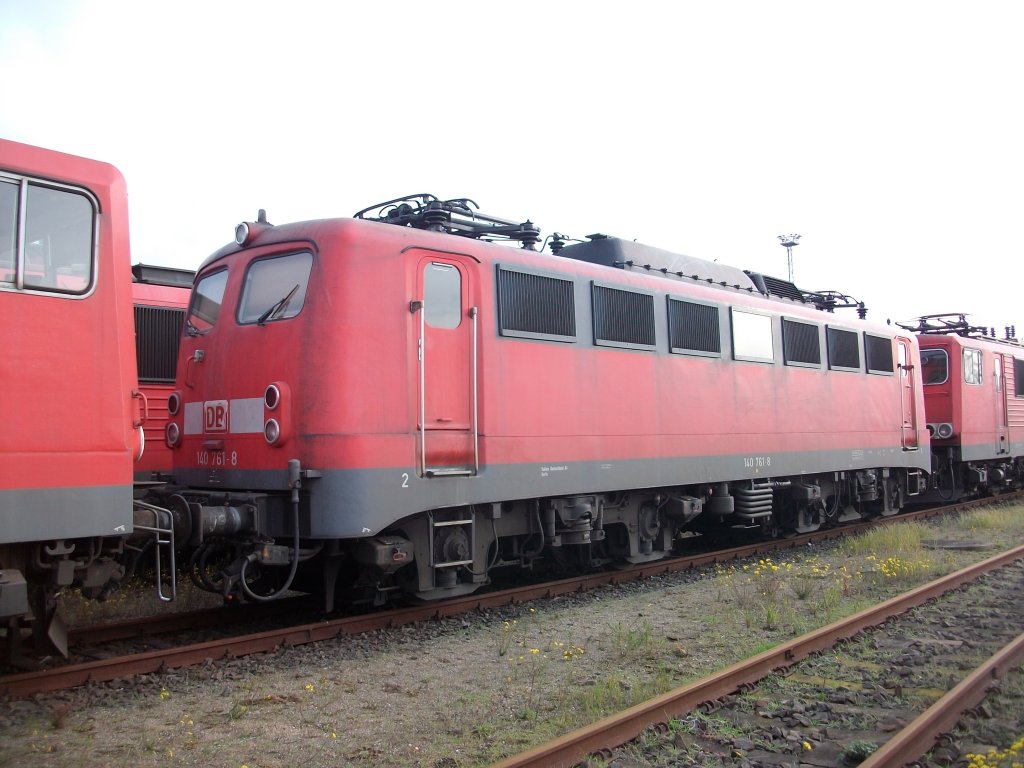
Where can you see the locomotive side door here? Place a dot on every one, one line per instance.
(446, 366)
(998, 376)
(908, 404)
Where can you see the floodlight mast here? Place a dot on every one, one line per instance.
(789, 242)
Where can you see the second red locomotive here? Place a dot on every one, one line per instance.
(160, 296)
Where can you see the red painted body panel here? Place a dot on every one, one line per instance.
(156, 458)
(68, 368)
(988, 423)
(350, 358)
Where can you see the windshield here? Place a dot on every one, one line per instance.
(275, 288)
(206, 300)
(935, 366)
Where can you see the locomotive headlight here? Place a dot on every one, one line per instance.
(173, 434)
(272, 397)
(242, 233)
(942, 430)
(272, 431)
(174, 404)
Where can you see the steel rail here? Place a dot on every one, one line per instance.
(617, 729)
(923, 731)
(103, 670)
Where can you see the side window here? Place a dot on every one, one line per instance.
(843, 349)
(752, 337)
(1018, 377)
(972, 366)
(275, 288)
(55, 252)
(800, 343)
(207, 296)
(442, 295)
(693, 328)
(536, 306)
(8, 229)
(623, 318)
(934, 366)
(878, 353)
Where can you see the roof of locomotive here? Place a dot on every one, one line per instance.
(492, 232)
(603, 250)
(932, 341)
(48, 164)
(631, 255)
(952, 328)
(173, 277)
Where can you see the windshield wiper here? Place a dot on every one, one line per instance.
(279, 307)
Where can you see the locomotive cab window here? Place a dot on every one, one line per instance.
(1018, 377)
(752, 337)
(934, 366)
(972, 366)
(55, 251)
(206, 300)
(442, 295)
(878, 354)
(275, 288)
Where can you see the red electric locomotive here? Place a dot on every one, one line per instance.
(390, 403)
(974, 402)
(70, 406)
(160, 296)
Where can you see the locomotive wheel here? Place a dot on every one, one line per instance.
(451, 545)
(649, 524)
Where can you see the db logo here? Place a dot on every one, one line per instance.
(215, 416)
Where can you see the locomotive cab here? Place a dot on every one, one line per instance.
(72, 413)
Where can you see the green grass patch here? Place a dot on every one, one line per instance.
(894, 540)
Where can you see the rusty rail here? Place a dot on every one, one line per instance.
(921, 734)
(617, 729)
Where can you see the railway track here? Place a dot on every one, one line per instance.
(718, 691)
(122, 666)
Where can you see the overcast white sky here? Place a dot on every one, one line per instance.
(890, 135)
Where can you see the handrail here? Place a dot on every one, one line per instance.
(473, 313)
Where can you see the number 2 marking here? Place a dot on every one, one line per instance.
(405, 479)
